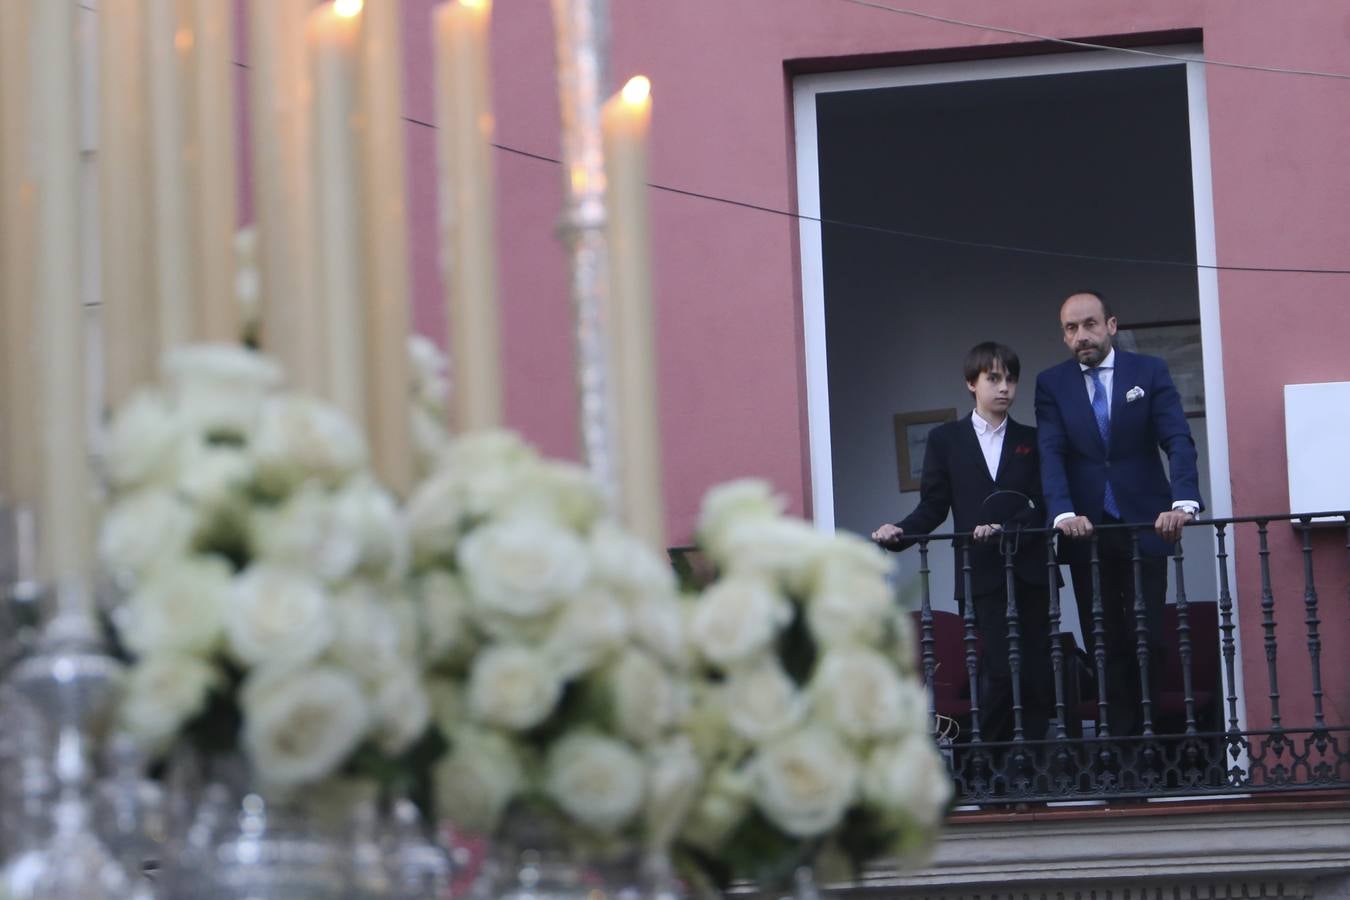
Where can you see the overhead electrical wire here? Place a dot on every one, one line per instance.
(941, 239)
(1089, 45)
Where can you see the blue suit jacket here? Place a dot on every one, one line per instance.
(1076, 463)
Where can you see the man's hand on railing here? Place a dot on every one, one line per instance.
(1076, 527)
(985, 532)
(1169, 523)
(888, 535)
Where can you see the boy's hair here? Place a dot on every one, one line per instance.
(984, 357)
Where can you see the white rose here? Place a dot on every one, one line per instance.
(522, 568)
(862, 694)
(849, 606)
(447, 631)
(210, 473)
(762, 702)
(144, 528)
(179, 607)
(737, 618)
(512, 687)
(489, 448)
(369, 640)
(646, 700)
(277, 616)
(744, 500)
(558, 492)
(142, 443)
(908, 780)
(846, 550)
(660, 624)
(904, 643)
(220, 387)
(719, 809)
(303, 727)
(446, 696)
(596, 781)
(431, 388)
(371, 514)
(590, 626)
(778, 549)
(402, 710)
(436, 517)
(804, 783)
(476, 781)
(307, 533)
(429, 437)
(299, 438)
(162, 692)
(629, 566)
(674, 775)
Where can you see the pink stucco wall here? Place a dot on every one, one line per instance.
(730, 355)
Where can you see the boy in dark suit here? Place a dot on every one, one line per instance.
(965, 462)
(1103, 416)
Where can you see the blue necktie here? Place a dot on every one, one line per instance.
(1103, 416)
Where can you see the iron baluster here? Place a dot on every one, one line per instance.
(1056, 648)
(926, 632)
(1009, 547)
(1141, 648)
(1099, 640)
(1226, 625)
(1268, 624)
(972, 656)
(1314, 639)
(1184, 640)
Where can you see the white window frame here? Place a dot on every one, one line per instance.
(806, 88)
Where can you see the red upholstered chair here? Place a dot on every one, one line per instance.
(951, 681)
(1206, 686)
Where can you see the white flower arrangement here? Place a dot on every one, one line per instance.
(267, 608)
(809, 720)
(558, 648)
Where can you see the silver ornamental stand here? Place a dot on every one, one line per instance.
(71, 681)
(581, 28)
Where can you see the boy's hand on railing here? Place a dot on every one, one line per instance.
(985, 532)
(1076, 527)
(888, 535)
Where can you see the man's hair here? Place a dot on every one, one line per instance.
(984, 357)
(1101, 298)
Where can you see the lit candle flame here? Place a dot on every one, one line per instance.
(637, 90)
(476, 4)
(347, 8)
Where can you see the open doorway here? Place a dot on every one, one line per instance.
(962, 203)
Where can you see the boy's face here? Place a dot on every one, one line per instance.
(994, 391)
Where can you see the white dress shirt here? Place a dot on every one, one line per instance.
(1106, 372)
(991, 441)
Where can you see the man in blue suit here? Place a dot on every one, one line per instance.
(1101, 418)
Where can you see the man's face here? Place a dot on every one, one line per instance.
(994, 391)
(1087, 331)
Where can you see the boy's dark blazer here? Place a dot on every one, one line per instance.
(956, 478)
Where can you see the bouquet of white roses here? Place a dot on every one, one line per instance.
(265, 575)
(558, 648)
(810, 720)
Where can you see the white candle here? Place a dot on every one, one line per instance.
(170, 40)
(65, 509)
(332, 35)
(387, 297)
(218, 316)
(279, 79)
(19, 456)
(625, 119)
(464, 135)
(126, 290)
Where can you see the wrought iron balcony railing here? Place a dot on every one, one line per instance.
(1193, 734)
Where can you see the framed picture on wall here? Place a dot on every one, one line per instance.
(1178, 344)
(911, 439)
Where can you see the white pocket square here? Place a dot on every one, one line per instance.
(1134, 394)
